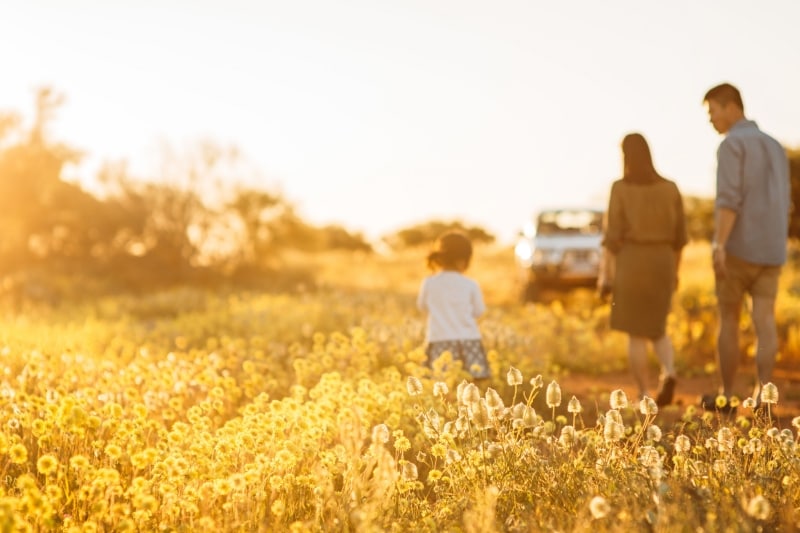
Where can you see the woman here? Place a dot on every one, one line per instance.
(645, 231)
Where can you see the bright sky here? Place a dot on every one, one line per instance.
(380, 114)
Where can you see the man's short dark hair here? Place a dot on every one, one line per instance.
(724, 94)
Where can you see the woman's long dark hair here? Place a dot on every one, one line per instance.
(637, 161)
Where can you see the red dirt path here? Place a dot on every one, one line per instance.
(593, 391)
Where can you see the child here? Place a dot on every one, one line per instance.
(453, 302)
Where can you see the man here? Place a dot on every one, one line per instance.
(751, 230)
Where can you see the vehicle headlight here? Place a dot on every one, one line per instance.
(524, 251)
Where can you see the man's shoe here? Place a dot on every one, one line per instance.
(666, 391)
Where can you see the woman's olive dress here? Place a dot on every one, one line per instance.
(645, 229)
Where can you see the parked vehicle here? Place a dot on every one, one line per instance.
(560, 249)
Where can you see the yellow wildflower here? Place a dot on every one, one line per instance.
(18, 454)
(47, 464)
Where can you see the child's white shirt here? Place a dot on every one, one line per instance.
(453, 302)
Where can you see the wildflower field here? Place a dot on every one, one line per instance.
(310, 410)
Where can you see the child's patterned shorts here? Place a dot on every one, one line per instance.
(470, 352)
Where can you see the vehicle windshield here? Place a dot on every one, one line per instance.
(570, 222)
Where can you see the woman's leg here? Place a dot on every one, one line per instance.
(666, 356)
(637, 355)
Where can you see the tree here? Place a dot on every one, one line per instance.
(428, 232)
(41, 216)
(186, 224)
(700, 211)
(338, 238)
(699, 217)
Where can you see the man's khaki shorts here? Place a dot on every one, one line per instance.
(744, 277)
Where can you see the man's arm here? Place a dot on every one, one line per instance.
(723, 224)
(728, 200)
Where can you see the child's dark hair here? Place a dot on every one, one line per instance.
(452, 251)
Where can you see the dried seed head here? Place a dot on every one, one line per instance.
(755, 445)
(648, 407)
(380, 434)
(725, 439)
(567, 437)
(653, 433)
(553, 395)
(453, 456)
(440, 389)
(493, 400)
(414, 386)
(529, 417)
(494, 449)
(470, 394)
(613, 431)
(480, 415)
(599, 507)
(769, 393)
(460, 388)
(613, 414)
(649, 457)
(618, 399)
(682, 444)
(431, 424)
(759, 508)
(574, 405)
(410, 471)
(514, 377)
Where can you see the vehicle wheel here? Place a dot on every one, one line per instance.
(531, 292)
